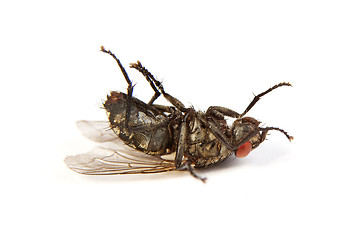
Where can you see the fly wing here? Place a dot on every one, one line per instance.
(117, 159)
(97, 131)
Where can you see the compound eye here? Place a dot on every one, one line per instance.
(244, 150)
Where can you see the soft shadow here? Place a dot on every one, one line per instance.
(121, 178)
(265, 155)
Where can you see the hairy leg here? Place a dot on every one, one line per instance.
(157, 86)
(129, 88)
(257, 97)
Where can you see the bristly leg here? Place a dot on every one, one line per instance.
(265, 131)
(191, 170)
(151, 79)
(220, 112)
(129, 89)
(257, 97)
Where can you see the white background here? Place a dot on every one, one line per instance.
(206, 53)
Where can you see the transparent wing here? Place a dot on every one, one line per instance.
(113, 156)
(97, 131)
(117, 159)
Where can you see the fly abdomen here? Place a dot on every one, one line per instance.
(147, 128)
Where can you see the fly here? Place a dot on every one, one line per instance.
(152, 138)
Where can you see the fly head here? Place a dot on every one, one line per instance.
(245, 135)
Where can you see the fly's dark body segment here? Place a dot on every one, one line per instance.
(147, 128)
(194, 139)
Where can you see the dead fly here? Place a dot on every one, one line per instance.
(165, 138)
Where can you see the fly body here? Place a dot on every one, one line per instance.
(165, 138)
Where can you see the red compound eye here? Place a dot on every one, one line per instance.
(243, 150)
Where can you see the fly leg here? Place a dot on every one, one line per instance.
(181, 145)
(264, 132)
(220, 112)
(163, 108)
(129, 88)
(157, 87)
(149, 77)
(257, 97)
(181, 148)
(192, 172)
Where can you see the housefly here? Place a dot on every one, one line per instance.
(152, 138)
